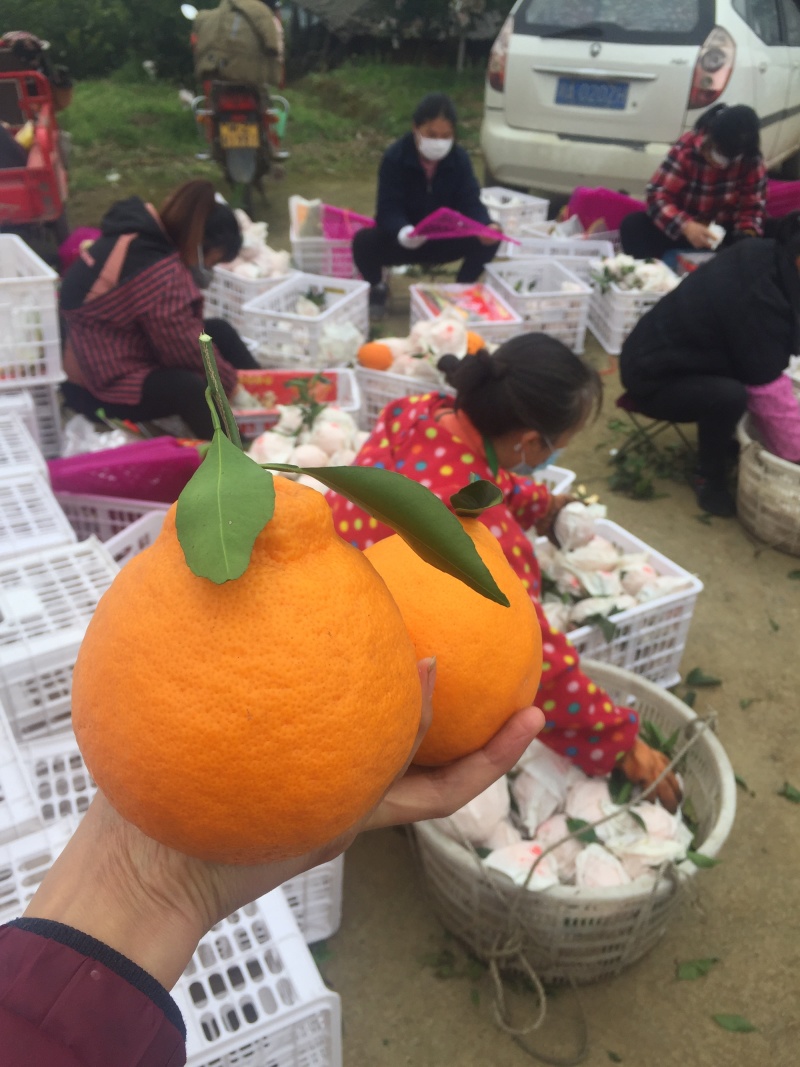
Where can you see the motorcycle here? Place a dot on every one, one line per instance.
(246, 142)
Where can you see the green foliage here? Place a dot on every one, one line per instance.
(640, 462)
(694, 969)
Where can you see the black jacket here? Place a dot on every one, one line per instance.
(736, 316)
(405, 197)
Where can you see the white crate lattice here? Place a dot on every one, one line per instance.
(61, 782)
(534, 288)
(315, 898)
(614, 313)
(19, 452)
(30, 517)
(19, 811)
(285, 338)
(330, 257)
(25, 861)
(19, 402)
(30, 343)
(229, 292)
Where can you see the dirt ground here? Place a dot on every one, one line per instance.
(385, 959)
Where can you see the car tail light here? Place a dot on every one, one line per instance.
(713, 68)
(496, 71)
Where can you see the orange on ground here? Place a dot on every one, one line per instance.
(375, 355)
(474, 342)
(488, 657)
(254, 720)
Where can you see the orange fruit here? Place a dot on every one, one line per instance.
(474, 342)
(254, 720)
(488, 657)
(375, 355)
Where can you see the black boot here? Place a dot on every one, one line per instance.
(378, 296)
(714, 496)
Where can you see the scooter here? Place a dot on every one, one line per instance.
(244, 141)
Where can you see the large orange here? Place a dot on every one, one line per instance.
(253, 720)
(488, 657)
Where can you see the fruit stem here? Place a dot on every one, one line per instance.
(217, 392)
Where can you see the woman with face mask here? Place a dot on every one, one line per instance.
(421, 172)
(713, 174)
(516, 407)
(132, 310)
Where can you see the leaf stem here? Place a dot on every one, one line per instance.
(217, 392)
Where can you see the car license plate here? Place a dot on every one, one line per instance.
(238, 135)
(582, 92)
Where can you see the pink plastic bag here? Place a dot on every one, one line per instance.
(594, 205)
(776, 411)
(338, 223)
(444, 223)
(70, 249)
(782, 198)
(156, 469)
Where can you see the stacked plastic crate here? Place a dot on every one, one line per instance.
(30, 344)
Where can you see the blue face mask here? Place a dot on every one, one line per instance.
(526, 470)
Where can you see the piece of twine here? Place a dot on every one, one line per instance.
(508, 950)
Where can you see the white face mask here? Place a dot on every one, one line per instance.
(718, 159)
(435, 148)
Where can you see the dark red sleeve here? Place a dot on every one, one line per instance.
(67, 1000)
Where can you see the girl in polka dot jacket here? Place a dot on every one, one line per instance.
(519, 406)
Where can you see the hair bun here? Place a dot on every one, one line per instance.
(494, 369)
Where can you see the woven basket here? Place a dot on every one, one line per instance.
(569, 933)
(768, 496)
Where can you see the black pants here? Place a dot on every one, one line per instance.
(170, 390)
(374, 249)
(641, 238)
(716, 404)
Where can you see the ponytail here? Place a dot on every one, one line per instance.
(193, 218)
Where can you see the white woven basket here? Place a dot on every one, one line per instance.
(570, 933)
(768, 496)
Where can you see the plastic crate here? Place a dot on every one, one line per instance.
(285, 338)
(252, 995)
(229, 292)
(534, 289)
(19, 453)
(273, 385)
(30, 517)
(380, 387)
(613, 314)
(19, 402)
(315, 898)
(574, 254)
(557, 479)
(46, 602)
(30, 343)
(514, 209)
(104, 516)
(649, 638)
(19, 811)
(489, 331)
(331, 257)
(25, 861)
(48, 419)
(136, 537)
(61, 783)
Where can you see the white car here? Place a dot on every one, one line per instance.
(594, 92)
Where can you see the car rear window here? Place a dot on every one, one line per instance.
(624, 21)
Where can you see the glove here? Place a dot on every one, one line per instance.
(642, 765)
(405, 239)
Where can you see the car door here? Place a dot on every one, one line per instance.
(770, 68)
(790, 132)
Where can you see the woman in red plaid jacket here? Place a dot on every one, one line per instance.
(519, 406)
(713, 174)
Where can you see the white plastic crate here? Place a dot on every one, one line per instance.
(61, 783)
(534, 288)
(496, 332)
(512, 211)
(19, 402)
(30, 516)
(136, 537)
(331, 257)
(557, 479)
(315, 898)
(546, 231)
(25, 861)
(46, 601)
(252, 995)
(19, 811)
(574, 254)
(380, 387)
(285, 338)
(104, 516)
(613, 314)
(30, 342)
(48, 419)
(254, 421)
(19, 453)
(649, 638)
(229, 292)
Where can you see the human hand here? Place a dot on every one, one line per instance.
(153, 904)
(698, 235)
(492, 240)
(405, 238)
(642, 765)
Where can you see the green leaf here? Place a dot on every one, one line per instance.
(607, 627)
(588, 838)
(620, 788)
(743, 784)
(652, 736)
(794, 575)
(737, 1024)
(692, 969)
(698, 677)
(745, 704)
(614, 1057)
(699, 860)
(690, 697)
(475, 997)
(222, 510)
(475, 498)
(321, 952)
(705, 518)
(482, 851)
(638, 820)
(790, 793)
(774, 626)
(418, 516)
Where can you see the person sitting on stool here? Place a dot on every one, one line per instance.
(421, 172)
(713, 173)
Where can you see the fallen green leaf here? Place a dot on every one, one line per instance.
(737, 1024)
(614, 1057)
(698, 677)
(705, 518)
(475, 996)
(743, 784)
(774, 626)
(690, 697)
(692, 969)
(790, 793)
(746, 702)
(794, 575)
(475, 498)
(589, 837)
(321, 952)
(222, 510)
(699, 860)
